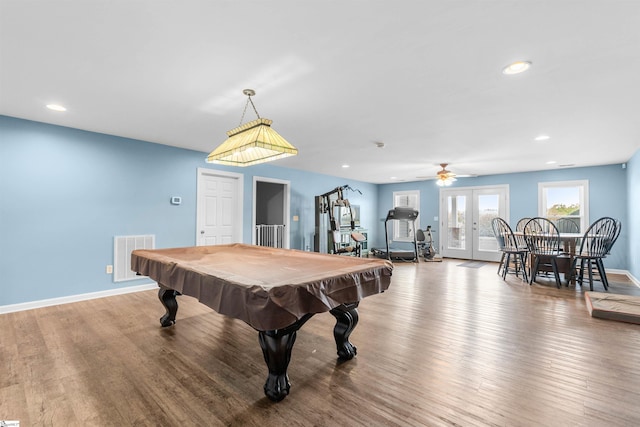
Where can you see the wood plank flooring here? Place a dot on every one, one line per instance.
(445, 345)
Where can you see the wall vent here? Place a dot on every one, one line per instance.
(122, 248)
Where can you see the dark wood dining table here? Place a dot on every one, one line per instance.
(570, 242)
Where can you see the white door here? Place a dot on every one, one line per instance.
(465, 219)
(219, 217)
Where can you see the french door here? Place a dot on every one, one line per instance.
(465, 221)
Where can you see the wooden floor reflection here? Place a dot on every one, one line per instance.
(445, 345)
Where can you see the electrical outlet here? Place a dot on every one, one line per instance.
(109, 269)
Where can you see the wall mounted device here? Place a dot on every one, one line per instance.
(175, 200)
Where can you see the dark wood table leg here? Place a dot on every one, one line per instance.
(346, 320)
(276, 347)
(168, 299)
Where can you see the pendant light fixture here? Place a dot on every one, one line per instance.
(251, 143)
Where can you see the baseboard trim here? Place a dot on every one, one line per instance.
(633, 279)
(130, 289)
(75, 298)
(625, 273)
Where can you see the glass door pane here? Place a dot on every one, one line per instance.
(456, 222)
(488, 208)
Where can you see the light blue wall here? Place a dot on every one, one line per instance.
(304, 187)
(633, 225)
(65, 194)
(609, 187)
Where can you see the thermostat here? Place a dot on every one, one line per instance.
(176, 200)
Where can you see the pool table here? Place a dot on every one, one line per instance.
(273, 290)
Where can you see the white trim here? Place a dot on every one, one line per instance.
(75, 298)
(395, 236)
(12, 308)
(286, 209)
(239, 202)
(472, 194)
(583, 184)
(626, 273)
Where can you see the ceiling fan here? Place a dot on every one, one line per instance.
(445, 177)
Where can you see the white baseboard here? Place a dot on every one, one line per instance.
(633, 279)
(129, 289)
(75, 298)
(626, 273)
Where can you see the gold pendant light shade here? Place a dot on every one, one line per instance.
(252, 143)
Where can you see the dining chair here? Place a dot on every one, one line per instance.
(616, 235)
(509, 246)
(521, 223)
(543, 240)
(567, 225)
(596, 243)
(520, 238)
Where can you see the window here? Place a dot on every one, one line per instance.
(403, 229)
(565, 199)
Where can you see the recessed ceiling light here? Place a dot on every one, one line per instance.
(516, 67)
(56, 107)
(551, 162)
(393, 177)
(345, 166)
(541, 138)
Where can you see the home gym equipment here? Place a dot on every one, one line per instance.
(399, 214)
(330, 208)
(425, 245)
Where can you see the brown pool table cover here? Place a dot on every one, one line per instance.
(268, 288)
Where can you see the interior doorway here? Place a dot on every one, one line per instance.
(465, 221)
(219, 207)
(271, 201)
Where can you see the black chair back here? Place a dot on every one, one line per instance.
(599, 238)
(521, 223)
(616, 235)
(568, 225)
(504, 234)
(519, 234)
(542, 237)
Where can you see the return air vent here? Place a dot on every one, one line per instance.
(122, 248)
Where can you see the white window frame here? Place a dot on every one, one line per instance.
(409, 199)
(582, 185)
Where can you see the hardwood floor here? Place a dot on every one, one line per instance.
(445, 345)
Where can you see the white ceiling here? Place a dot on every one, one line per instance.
(424, 77)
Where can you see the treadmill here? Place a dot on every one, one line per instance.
(398, 214)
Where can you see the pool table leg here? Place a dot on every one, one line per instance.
(276, 347)
(346, 320)
(168, 299)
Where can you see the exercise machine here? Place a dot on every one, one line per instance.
(328, 216)
(425, 245)
(399, 214)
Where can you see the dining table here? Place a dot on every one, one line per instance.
(570, 243)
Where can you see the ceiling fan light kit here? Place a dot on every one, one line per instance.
(445, 178)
